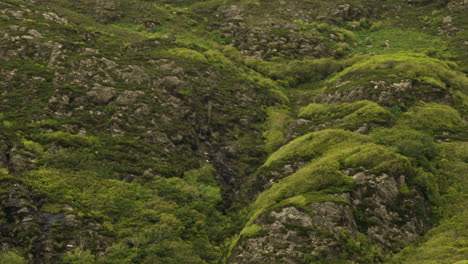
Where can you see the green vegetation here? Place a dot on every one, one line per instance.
(10, 257)
(136, 131)
(414, 66)
(313, 145)
(389, 40)
(295, 72)
(446, 243)
(436, 118)
(274, 133)
(347, 115)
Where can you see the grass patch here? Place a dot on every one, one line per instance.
(390, 40)
(276, 123)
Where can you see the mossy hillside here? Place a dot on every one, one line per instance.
(123, 207)
(452, 167)
(86, 162)
(295, 72)
(298, 153)
(443, 23)
(347, 115)
(310, 183)
(440, 166)
(408, 65)
(177, 55)
(352, 152)
(11, 257)
(418, 146)
(312, 145)
(289, 31)
(386, 39)
(234, 98)
(185, 58)
(409, 142)
(275, 128)
(443, 244)
(142, 20)
(18, 197)
(436, 118)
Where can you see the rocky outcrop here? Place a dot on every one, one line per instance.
(293, 233)
(101, 94)
(375, 212)
(288, 29)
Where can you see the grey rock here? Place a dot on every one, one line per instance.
(35, 33)
(133, 74)
(172, 81)
(100, 94)
(55, 18)
(128, 97)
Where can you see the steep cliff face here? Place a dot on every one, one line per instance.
(232, 131)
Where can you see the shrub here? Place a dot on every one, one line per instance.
(11, 257)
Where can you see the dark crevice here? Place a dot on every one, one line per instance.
(7, 158)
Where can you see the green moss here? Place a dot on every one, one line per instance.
(334, 150)
(188, 54)
(408, 142)
(303, 200)
(347, 115)
(398, 39)
(275, 128)
(377, 159)
(68, 140)
(33, 146)
(217, 57)
(108, 198)
(434, 117)
(79, 256)
(47, 123)
(404, 190)
(405, 65)
(295, 72)
(313, 144)
(253, 231)
(446, 243)
(11, 257)
(369, 114)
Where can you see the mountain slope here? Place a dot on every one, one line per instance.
(233, 131)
